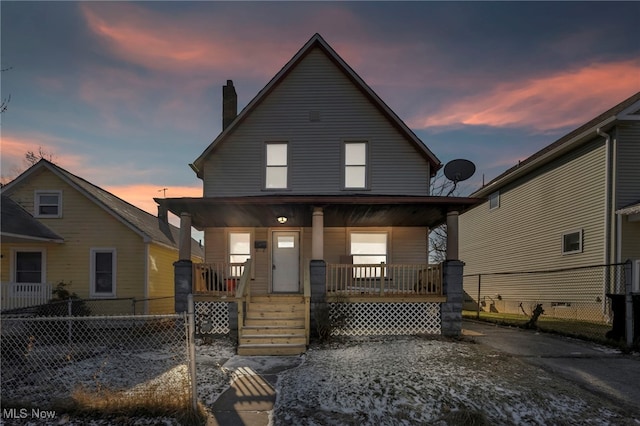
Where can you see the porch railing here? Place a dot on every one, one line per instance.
(22, 295)
(384, 279)
(219, 279)
(243, 295)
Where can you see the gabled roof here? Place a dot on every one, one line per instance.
(148, 226)
(624, 111)
(17, 224)
(319, 42)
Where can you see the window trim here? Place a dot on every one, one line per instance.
(495, 195)
(286, 167)
(14, 262)
(36, 203)
(92, 271)
(580, 241)
(367, 162)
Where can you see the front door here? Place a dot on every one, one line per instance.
(285, 274)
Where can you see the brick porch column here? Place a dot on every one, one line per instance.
(451, 310)
(183, 268)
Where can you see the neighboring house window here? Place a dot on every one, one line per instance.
(48, 204)
(572, 242)
(29, 266)
(103, 272)
(355, 165)
(239, 251)
(368, 249)
(494, 200)
(276, 170)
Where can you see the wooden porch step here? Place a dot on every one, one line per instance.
(272, 349)
(272, 339)
(277, 298)
(266, 321)
(276, 307)
(274, 324)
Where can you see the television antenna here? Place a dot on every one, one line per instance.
(164, 192)
(457, 171)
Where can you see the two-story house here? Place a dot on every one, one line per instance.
(58, 227)
(326, 190)
(573, 204)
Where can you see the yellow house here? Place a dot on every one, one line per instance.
(100, 246)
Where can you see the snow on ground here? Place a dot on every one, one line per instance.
(387, 381)
(413, 380)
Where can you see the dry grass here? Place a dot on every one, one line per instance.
(165, 396)
(591, 331)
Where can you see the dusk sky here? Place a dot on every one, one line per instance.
(126, 95)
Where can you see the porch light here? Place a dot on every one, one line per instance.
(282, 219)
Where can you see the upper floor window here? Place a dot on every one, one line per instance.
(103, 272)
(494, 200)
(48, 204)
(276, 166)
(572, 242)
(239, 251)
(355, 165)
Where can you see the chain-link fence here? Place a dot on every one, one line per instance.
(92, 307)
(575, 301)
(97, 363)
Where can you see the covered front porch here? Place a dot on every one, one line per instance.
(334, 258)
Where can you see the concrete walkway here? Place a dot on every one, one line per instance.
(249, 399)
(601, 370)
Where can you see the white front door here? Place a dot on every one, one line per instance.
(285, 256)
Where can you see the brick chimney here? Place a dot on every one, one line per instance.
(229, 104)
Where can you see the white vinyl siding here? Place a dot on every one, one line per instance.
(48, 204)
(524, 233)
(103, 272)
(236, 166)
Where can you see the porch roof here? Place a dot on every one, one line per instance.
(339, 211)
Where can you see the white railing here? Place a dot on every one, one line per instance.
(23, 295)
(384, 279)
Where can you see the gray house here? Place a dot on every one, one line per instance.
(573, 204)
(317, 192)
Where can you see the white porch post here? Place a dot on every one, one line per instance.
(185, 237)
(317, 234)
(452, 235)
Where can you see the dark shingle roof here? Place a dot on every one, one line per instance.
(16, 222)
(150, 227)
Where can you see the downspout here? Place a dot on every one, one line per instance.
(607, 195)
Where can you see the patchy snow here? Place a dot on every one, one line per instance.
(371, 381)
(413, 380)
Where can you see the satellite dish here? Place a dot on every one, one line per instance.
(459, 170)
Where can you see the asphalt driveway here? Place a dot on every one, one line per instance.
(599, 369)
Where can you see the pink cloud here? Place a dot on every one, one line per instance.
(563, 99)
(14, 148)
(142, 195)
(182, 43)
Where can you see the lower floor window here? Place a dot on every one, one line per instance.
(103, 272)
(572, 242)
(368, 249)
(29, 267)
